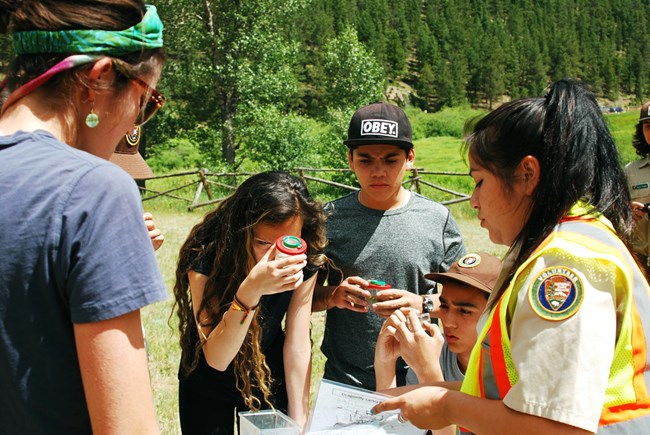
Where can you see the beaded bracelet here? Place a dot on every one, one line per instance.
(237, 305)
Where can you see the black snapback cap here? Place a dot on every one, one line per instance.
(379, 123)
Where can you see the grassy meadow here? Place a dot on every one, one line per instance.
(434, 154)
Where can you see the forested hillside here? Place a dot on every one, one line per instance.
(274, 81)
(476, 50)
(296, 62)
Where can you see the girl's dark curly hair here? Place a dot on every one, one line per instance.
(226, 234)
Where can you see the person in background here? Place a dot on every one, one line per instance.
(232, 296)
(72, 355)
(127, 157)
(563, 342)
(382, 232)
(638, 181)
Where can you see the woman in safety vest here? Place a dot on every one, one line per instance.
(562, 346)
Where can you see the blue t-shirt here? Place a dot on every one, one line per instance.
(74, 250)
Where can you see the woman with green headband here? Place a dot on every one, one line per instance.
(78, 264)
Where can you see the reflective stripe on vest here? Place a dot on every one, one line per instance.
(491, 373)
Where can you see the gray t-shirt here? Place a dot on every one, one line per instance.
(395, 246)
(448, 363)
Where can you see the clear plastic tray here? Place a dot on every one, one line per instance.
(267, 422)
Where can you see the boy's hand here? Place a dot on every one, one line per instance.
(157, 238)
(394, 299)
(420, 344)
(638, 211)
(387, 348)
(350, 294)
(386, 353)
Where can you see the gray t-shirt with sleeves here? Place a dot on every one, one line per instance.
(396, 246)
(448, 363)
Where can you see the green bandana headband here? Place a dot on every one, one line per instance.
(147, 34)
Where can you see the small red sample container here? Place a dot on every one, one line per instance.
(374, 286)
(289, 245)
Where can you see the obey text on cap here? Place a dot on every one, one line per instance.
(379, 127)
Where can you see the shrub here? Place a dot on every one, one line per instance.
(175, 154)
(447, 122)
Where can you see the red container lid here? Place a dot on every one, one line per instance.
(291, 245)
(379, 285)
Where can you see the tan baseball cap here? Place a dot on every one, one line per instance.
(127, 157)
(478, 269)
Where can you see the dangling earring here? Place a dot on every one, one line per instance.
(92, 120)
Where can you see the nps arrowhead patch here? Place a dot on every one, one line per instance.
(556, 293)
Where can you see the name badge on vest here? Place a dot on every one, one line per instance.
(556, 293)
(640, 186)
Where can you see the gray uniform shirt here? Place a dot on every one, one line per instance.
(448, 363)
(396, 246)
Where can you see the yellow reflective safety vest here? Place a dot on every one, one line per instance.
(626, 408)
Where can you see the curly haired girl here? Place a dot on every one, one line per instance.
(232, 296)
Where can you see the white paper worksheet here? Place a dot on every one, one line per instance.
(341, 408)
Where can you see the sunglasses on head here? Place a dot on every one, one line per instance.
(154, 102)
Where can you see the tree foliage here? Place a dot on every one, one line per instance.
(352, 77)
(240, 71)
(228, 57)
(452, 51)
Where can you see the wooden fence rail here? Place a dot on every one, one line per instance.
(204, 178)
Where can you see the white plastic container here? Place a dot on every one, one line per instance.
(267, 422)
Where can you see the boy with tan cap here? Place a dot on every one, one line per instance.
(127, 157)
(466, 287)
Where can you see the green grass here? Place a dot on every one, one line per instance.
(622, 126)
(439, 154)
(444, 154)
(161, 332)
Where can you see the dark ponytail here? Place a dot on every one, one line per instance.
(639, 143)
(578, 159)
(582, 161)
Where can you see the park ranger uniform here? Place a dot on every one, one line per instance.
(567, 340)
(638, 181)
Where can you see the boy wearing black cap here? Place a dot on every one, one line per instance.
(382, 232)
(638, 180)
